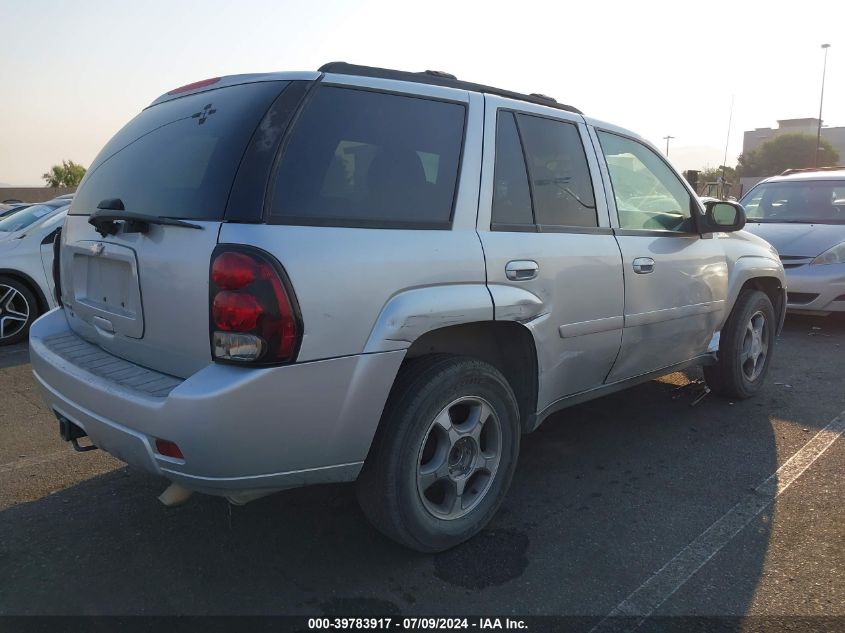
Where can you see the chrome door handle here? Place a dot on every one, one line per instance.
(643, 265)
(521, 269)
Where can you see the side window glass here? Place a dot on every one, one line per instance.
(752, 206)
(560, 176)
(649, 195)
(511, 195)
(362, 158)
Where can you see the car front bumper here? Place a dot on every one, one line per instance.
(243, 432)
(816, 289)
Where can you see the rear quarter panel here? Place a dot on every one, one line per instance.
(373, 290)
(351, 282)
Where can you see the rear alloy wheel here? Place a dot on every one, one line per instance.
(18, 309)
(459, 458)
(444, 455)
(745, 347)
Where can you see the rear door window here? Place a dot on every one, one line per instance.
(178, 159)
(362, 158)
(511, 194)
(560, 177)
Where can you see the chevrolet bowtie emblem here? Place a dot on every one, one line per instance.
(98, 248)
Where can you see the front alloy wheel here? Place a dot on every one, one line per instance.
(755, 346)
(745, 347)
(17, 310)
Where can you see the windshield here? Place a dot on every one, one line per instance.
(809, 201)
(22, 219)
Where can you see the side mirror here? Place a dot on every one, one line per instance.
(722, 216)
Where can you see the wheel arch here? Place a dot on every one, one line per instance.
(774, 290)
(506, 345)
(31, 284)
(758, 273)
(769, 285)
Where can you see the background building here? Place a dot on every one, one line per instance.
(753, 139)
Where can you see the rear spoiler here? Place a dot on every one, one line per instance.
(232, 80)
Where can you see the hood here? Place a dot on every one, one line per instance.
(799, 240)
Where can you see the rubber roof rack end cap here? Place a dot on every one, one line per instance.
(328, 66)
(441, 73)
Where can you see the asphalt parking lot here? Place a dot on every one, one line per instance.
(606, 494)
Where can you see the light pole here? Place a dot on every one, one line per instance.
(667, 138)
(821, 103)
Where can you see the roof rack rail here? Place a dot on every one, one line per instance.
(440, 78)
(800, 170)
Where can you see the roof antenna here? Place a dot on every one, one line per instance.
(728, 138)
(722, 179)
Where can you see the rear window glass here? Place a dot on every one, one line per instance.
(361, 158)
(178, 159)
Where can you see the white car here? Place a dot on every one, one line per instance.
(26, 264)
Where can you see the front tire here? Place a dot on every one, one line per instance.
(445, 453)
(745, 347)
(18, 309)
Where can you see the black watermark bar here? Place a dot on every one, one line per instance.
(402, 624)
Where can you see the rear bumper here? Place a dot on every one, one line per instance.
(816, 289)
(243, 432)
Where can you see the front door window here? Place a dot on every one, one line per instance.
(649, 196)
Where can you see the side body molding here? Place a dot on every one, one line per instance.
(411, 313)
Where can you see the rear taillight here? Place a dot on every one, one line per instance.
(253, 311)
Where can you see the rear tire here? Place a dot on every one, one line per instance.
(745, 347)
(445, 453)
(18, 309)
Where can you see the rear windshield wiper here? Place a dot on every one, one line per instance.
(111, 215)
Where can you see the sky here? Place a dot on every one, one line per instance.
(73, 72)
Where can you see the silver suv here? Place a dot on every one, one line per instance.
(285, 279)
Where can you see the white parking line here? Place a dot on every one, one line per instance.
(629, 614)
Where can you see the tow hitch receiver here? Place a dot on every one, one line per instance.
(70, 432)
